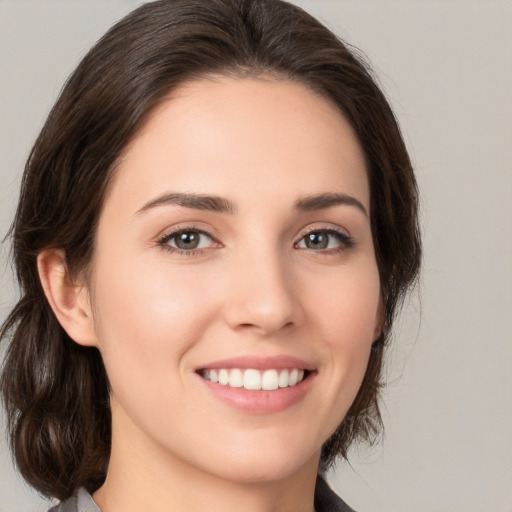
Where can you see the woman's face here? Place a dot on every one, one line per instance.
(234, 252)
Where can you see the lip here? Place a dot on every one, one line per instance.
(260, 402)
(280, 362)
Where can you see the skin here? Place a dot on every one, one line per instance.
(252, 288)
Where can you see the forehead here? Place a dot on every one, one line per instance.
(249, 136)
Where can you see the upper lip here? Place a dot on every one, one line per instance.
(279, 362)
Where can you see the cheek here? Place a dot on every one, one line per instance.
(346, 304)
(347, 315)
(148, 316)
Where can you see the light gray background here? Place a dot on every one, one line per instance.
(447, 68)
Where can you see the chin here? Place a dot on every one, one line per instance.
(254, 465)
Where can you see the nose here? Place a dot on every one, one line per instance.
(262, 295)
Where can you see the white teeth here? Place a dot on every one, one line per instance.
(255, 380)
(223, 377)
(236, 378)
(252, 379)
(283, 379)
(270, 380)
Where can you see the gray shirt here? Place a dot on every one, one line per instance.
(325, 501)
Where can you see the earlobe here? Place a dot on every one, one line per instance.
(69, 300)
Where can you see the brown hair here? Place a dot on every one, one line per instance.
(56, 392)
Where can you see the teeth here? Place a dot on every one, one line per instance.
(283, 379)
(269, 380)
(252, 379)
(255, 380)
(223, 377)
(236, 379)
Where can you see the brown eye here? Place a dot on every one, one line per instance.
(189, 240)
(327, 240)
(316, 240)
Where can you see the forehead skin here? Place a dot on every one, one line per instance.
(173, 130)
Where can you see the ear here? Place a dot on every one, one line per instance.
(379, 319)
(70, 301)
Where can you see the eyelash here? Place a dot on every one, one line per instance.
(167, 237)
(345, 240)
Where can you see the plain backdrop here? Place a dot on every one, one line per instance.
(446, 66)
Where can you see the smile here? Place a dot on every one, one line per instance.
(255, 380)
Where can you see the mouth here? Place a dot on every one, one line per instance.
(253, 379)
(259, 385)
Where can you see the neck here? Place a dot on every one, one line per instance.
(143, 476)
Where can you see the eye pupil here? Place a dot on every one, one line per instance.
(317, 240)
(187, 240)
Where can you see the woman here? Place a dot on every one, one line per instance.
(215, 228)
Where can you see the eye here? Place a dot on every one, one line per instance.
(186, 240)
(325, 240)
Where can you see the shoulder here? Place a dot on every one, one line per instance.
(326, 500)
(81, 501)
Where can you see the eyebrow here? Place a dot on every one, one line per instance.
(195, 201)
(321, 201)
(222, 205)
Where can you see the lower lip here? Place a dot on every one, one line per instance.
(260, 402)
